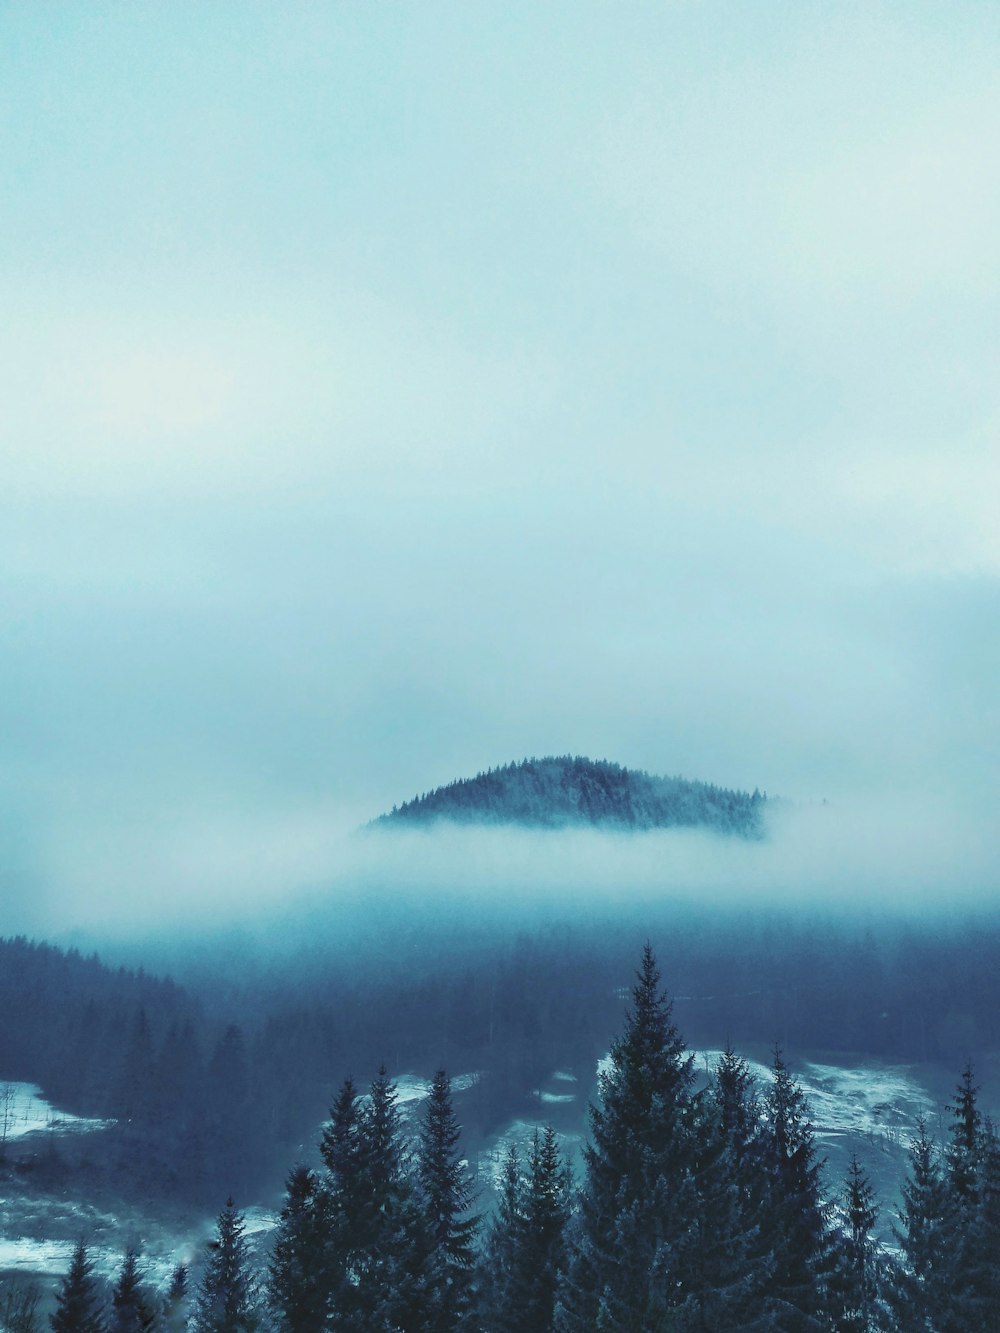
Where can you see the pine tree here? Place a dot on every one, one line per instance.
(981, 1257)
(541, 1260)
(628, 1266)
(499, 1262)
(964, 1160)
(78, 1298)
(131, 1309)
(859, 1280)
(445, 1199)
(174, 1317)
(728, 1266)
(794, 1218)
(376, 1254)
(343, 1194)
(227, 1297)
(299, 1284)
(964, 1147)
(922, 1290)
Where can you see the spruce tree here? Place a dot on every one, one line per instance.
(922, 1290)
(227, 1297)
(299, 1285)
(541, 1258)
(174, 1316)
(794, 1218)
(964, 1160)
(981, 1257)
(377, 1244)
(131, 1309)
(728, 1266)
(498, 1268)
(78, 1297)
(445, 1199)
(964, 1146)
(628, 1266)
(859, 1279)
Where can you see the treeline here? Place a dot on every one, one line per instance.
(570, 790)
(698, 1210)
(230, 1079)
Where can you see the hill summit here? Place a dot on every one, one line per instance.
(567, 791)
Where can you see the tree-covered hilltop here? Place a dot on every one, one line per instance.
(558, 792)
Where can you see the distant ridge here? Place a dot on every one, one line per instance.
(565, 791)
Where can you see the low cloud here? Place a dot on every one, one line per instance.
(303, 880)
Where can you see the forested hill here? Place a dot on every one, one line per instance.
(567, 791)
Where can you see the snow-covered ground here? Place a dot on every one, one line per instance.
(410, 1088)
(871, 1100)
(23, 1110)
(520, 1134)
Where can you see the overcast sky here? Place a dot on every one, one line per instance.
(389, 391)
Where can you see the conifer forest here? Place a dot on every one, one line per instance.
(500, 669)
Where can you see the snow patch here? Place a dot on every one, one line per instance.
(410, 1088)
(24, 1110)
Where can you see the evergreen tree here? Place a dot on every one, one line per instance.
(728, 1267)
(981, 1257)
(965, 1140)
(499, 1263)
(794, 1218)
(859, 1282)
(630, 1249)
(922, 1289)
(377, 1249)
(541, 1258)
(78, 1297)
(445, 1199)
(227, 1297)
(964, 1160)
(131, 1309)
(136, 1084)
(299, 1284)
(343, 1197)
(175, 1302)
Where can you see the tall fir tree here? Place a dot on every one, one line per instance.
(727, 1267)
(132, 1310)
(376, 1270)
(860, 1278)
(175, 1302)
(922, 1289)
(79, 1299)
(541, 1261)
(981, 1255)
(228, 1299)
(298, 1276)
(445, 1197)
(627, 1270)
(794, 1217)
(965, 1140)
(498, 1266)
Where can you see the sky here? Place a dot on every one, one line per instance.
(391, 391)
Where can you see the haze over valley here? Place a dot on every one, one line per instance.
(500, 699)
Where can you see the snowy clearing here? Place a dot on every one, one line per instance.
(24, 1110)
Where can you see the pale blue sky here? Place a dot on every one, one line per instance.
(393, 390)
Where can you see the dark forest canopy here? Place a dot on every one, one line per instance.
(557, 792)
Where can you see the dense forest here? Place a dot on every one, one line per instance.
(571, 790)
(230, 1073)
(698, 1209)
